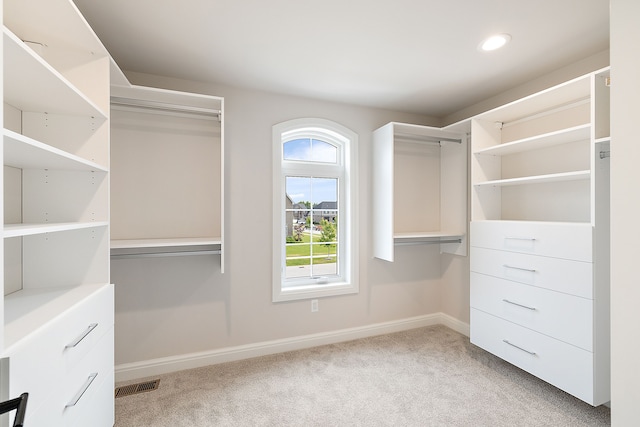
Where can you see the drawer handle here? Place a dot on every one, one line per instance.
(519, 238)
(533, 353)
(82, 336)
(86, 385)
(530, 270)
(519, 305)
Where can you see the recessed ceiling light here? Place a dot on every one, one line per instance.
(494, 42)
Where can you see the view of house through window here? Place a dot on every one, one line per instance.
(313, 209)
(312, 226)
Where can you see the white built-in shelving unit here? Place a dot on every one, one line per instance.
(56, 334)
(419, 188)
(167, 151)
(540, 234)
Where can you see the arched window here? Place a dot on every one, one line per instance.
(314, 248)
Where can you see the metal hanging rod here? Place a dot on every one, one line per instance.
(208, 113)
(428, 242)
(605, 154)
(425, 138)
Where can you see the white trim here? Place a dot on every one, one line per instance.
(455, 324)
(164, 365)
(347, 281)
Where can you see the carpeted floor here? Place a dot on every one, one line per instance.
(428, 376)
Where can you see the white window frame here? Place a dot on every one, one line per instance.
(347, 143)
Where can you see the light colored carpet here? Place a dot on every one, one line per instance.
(428, 376)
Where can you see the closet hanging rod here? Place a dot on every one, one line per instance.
(428, 242)
(164, 106)
(425, 138)
(164, 254)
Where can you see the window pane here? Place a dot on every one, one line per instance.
(311, 212)
(297, 149)
(324, 190)
(297, 191)
(322, 151)
(310, 150)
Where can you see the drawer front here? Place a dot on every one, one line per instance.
(562, 365)
(101, 413)
(54, 412)
(565, 317)
(567, 276)
(38, 365)
(558, 240)
(81, 392)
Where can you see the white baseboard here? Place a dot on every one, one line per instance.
(152, 367)
(455, 324)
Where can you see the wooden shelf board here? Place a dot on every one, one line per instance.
(427, 235)
(564, 93)
(539, 179)
(31, 84)
(165, 243)
(577, 133)
(55, 23)
(18, 230)
(26, 153)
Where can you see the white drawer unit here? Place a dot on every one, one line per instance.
(535, 302)
(54, 363)
(79, 399)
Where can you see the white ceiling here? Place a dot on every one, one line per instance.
(407, 55)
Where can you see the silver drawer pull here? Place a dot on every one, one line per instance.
(82, 336)
(530, 270)
(86, 385)
(533, 353)
(519, 238)
(519, 305)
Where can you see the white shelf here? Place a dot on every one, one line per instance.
(32, 85)
(26, 311)
(55, 23)
(18, 230)
(417, 133)
(538, 179)
(26, 153)
(139, 248)
(577, 133)
(575, 90)
(164, 243)
(427, 235)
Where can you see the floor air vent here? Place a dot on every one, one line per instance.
(128, 390)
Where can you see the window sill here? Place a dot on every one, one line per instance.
(301, 292)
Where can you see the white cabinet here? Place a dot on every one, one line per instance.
(539, 235)
(55, 207)
(419, 188)
(167, 151)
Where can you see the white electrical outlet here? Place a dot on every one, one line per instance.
(314, 305)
